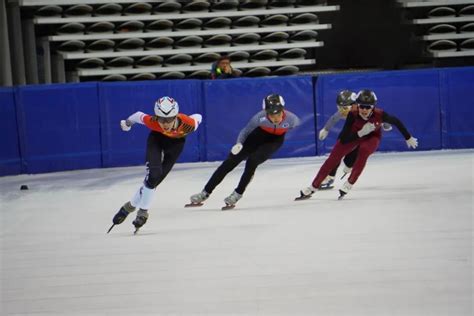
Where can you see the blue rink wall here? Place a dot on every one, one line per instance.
(76, 126)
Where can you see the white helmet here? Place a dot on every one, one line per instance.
(166, 107)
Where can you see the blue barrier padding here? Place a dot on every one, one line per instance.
(412, 96)
(119, 100)
(58, 127)
(10, 159)
(457, 105)
(230, 104)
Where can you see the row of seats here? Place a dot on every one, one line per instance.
(110, 9)
(201, 74)
(451, 45)
(187, 59)
(187, 42)
(451, 28)
(443, 12)
(105, 27)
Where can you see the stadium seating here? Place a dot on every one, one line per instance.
(121, 39)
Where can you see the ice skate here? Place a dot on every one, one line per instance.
(346, 187)
(327, 184)
(197, 199)
(140, 220)
(231, 200)
(305, 193)
(121, 215)
(345, 171)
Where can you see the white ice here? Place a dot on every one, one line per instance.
(400, 243)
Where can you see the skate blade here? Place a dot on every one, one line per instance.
(227, 207)
(110, 228)
(326, 188)
(136, 230)
(341, 195)
(302, 197)
(193, 204)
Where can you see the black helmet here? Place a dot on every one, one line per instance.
(273, 103)
(366, 97)
(345, 98)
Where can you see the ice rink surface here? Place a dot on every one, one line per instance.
(400, 243)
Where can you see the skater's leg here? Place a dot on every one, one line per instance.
(227, 166)
(366, 148)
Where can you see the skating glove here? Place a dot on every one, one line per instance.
(323, 134)
(366, 129)
(125, 125)
(412, 142)
(236, 148)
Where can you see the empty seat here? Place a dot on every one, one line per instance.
(246, 39)
(49, 11)
(143, 76)
(206, 58)
(304, 36)
(467, 28)
(71, 28)
(130, 26)
(138, 8)
(253, 4)
(441, 12)
(225, 5)
(467, 11)
(120, 62)
(159, 25)
(101, 45)
(167, 7)
(275, 37)
(196, 6)
(108, 9)
(114, 77)
(71, 46)
(179, 59)
(218, 40)
(149, 61)
(293, 53)
(159, 42)
(257, 72)
(442, 29)
(266, 54)
(188, 24)
(90, 63)
(273, 4)
(131, 44)
(101, 27)
(442, 46)
(304, 18)
(218, 23)
(173, 75)
(274, 20)
(199, 74)
(285, 71)
(239, 56)
(189, 41)
(78, 10)
(467, 44)
(246, 21)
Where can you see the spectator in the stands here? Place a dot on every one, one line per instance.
(222, 69)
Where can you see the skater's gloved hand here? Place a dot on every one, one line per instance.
(412, 142)
(386, 127)
(236, 148)
(125, 125)
(323, 134)
(366, 129)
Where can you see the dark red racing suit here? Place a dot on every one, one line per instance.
(348, 140)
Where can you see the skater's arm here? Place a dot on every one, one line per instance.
(346, 134)
(386, 118)
(292, 119)
(251, 125)
(189, 124)
(137, 117)
(197, 120)
(336, 117)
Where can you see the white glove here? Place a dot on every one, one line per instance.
(412, 142)
(236, 148)
(323, 134)
(366, 129)
(125, 127)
